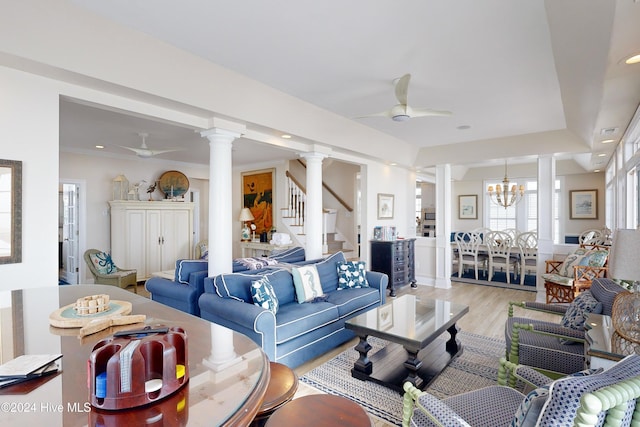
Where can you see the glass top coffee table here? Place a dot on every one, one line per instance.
(416, 351)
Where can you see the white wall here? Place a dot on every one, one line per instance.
(29, 133)
(98, 173)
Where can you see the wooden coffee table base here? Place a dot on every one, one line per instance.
(394, 365)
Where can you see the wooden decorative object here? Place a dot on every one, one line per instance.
(92, 304)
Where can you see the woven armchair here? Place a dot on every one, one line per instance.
(118, 277)
(555, 348)
(583, 399)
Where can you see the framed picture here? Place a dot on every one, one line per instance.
(468, 206)
(584, 204)
(257, 195)
(385, 206)
(385, 316)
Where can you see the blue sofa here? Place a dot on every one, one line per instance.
(183, 291)
(298, 332)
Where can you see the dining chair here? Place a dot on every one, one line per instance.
(527, 244)
(468, 244)
(499, 245)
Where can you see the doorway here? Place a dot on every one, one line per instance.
(71, 232)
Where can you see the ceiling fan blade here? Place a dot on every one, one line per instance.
(155, 152)
(402, 87)
(387, 113)
(424, 112)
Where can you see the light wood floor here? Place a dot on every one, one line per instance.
(488, 307)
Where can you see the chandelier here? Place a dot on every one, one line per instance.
(503, 195)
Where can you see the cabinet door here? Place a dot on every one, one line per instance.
(134, 241)
(153, 242)
(176, 237)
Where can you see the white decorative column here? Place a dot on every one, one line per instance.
(223, 358)
(313, 210)
(220, 200)
(443, 226)
(546, 205)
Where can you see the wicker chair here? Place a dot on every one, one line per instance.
(118, 277)
(582, 399)
(538, 343)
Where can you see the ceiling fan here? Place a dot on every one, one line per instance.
(144, 152)
(402, 111)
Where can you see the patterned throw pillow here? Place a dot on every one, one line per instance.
(103, 263)
(529, 410)
(566, 269)
(263, 295)
(594, 258)
(204, 251)
(351, 274)
(579, 309)
(307, 283)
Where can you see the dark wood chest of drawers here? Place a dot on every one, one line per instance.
(395, 258)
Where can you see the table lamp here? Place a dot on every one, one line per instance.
(245, 217)
(624, 265)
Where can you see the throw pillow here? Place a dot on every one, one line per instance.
(566, 269)
(103, 263)
(204, 251)
(579, 309)
(594, 258)
(529, 410)
(351, 274)
(263, 294)
(307, 283)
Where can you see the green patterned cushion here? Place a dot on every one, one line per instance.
(103, 263)
(556, 278)
(352, 274)
(574, 258)
(263, 294)
(306, 281)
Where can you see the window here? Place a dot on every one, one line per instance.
(524, 215)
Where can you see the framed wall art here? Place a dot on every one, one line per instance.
(257, 195)
(468, 206)
(583, 204)
(385, 206)
(10, 211)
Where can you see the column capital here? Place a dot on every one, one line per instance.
(314, 155)
(219, 134)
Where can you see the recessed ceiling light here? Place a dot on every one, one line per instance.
(463, 127)
(99, 147)
(632, 59)
(393, 163)
(597, 170)
(602, 155)
(607, 141)
(286, 136)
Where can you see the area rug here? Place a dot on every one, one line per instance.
(475, 368)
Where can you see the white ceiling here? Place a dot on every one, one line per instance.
(504, 68)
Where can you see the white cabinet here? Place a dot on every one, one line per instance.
(150, 236)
